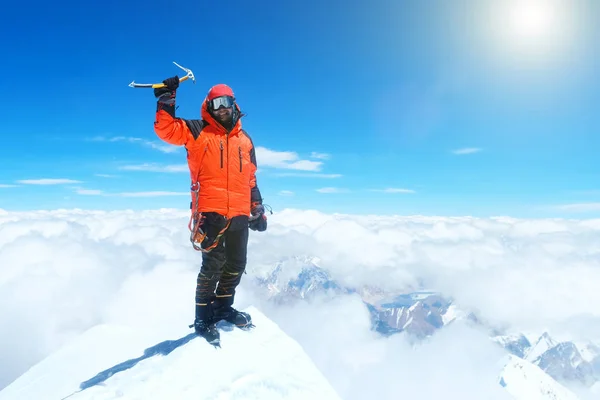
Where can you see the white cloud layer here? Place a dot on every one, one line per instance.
(65, 271)
(458, 363)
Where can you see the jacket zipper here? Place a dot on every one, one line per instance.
(221, 154)
(240, 154)
(227, 173)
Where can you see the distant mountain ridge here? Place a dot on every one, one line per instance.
(422, 313)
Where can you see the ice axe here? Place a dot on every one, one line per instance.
(189, 75)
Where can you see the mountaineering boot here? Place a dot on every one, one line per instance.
(238, 318)
(208, 330)
(204, 324)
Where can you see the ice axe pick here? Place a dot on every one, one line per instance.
(189, 75)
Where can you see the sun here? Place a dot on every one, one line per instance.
(532, 20)
(531, 31)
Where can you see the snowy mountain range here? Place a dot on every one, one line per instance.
(298, 278)
(109, 362)
(422, 313)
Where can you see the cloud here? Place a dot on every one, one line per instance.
(266, 158)
(286, 193)
(393, 190)
(595, 192)
(157, 145)
(66, 271)
(153, 194)
(47, 181)
(336, 334)
(284, 160)
(467, 150)
(331, 190)
(527, 274)
(88, 192)
(320, 156)
(7, 186)
(175, 168)
(307, 175)
(579, 207)
(105, 175)
(157, 193)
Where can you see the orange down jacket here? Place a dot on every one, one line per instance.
(222, 163)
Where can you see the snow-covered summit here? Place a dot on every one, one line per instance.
(108, 362)
(516, 344)
(544, 343)
(526, 381)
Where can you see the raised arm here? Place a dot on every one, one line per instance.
(167, 127)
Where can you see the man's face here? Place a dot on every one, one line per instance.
(223, 114)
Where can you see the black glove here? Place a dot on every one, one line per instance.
(258, 221)
(171, 85)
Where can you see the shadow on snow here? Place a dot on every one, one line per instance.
(162, 348)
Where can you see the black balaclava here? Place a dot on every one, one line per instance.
(235, 115)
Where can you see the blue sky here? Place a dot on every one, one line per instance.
(390, 107)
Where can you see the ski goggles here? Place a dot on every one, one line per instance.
(223, 101)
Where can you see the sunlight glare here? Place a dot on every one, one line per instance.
(532, 19)
(533, 32)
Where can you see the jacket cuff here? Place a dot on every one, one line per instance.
(167, 102)
(255, 196)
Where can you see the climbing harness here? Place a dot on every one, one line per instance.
(197, 235)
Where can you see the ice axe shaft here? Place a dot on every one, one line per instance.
(189, 75)
(154, 85)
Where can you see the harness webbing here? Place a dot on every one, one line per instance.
(197, 235)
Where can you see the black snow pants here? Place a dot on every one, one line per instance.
(223, 266)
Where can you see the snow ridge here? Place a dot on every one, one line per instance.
(525, 381)
(264, 363)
